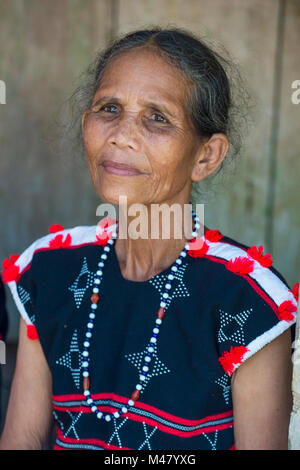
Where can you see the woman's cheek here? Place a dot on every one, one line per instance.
(93, 145)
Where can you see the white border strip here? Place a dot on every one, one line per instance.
(269, 281)
(258, 343)
(79, 235)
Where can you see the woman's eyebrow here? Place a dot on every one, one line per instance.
(161, 107)
(111, 99)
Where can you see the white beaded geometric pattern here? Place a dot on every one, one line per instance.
(179, 289)
(73, 355)
(74, 418)
(156, 367)
(80, 291)
(61, 424)
(25, 297)
(148, 437)
(213, 443)
(116, 436)
(224, 383)
(232, 326)
(116, 431)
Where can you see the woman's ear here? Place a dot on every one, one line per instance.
(83, 118)
(210, 156)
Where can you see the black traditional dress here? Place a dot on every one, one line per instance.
(226, 303)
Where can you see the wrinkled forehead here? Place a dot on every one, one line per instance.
(145, 73)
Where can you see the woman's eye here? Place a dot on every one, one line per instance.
(108, 106)
(161, 118)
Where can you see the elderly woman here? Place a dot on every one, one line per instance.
(151, 343)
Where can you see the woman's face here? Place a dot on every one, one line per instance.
(139, 118)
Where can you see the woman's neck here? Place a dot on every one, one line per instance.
(141, 258)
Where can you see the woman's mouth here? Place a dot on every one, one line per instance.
(116, 168)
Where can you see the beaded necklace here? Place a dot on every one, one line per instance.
(155, 332)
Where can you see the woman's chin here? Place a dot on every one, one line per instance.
(115, 196)
(114, 192)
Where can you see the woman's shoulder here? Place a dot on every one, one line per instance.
(57, 238)
(250, 262)
(256, 302)
(43, 260)
(257, 271)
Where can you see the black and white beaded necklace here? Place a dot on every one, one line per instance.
(155, 332)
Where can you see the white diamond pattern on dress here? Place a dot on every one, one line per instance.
(79, 292)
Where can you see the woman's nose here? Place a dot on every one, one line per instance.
(124, 134)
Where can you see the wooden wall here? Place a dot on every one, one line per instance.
(45, 45)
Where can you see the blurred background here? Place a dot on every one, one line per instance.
(46, 45)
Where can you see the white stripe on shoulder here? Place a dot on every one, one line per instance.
(258, 343)
(263, 276)
(79, 235)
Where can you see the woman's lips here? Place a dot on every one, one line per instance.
(120, 169)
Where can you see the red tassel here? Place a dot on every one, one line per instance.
(10, 271)
(67, 241)
(213, 235)
(7, 262)
(32, 332)
(55, 228)
(238, 353)
(102, 239)
(257, 254)
(198, 248)
(106, 222)
(57, 241)
(232, 357)
(104, 236)
(10, 274)
(226, 363)
(285, 310)
(240, 265)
